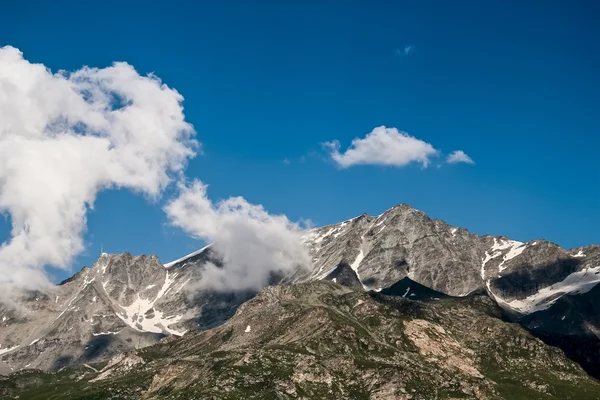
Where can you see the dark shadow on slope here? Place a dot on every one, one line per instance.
(218, 307)
(409, 294)
(103, 347)
(571, 324)
(344, 275)
(412, 290)
(96, 348)
(585, 351)
(74, 277)
(527, 280)
(61, 362)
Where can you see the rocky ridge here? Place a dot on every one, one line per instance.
(125, 302)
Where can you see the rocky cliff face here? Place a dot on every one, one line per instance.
(125, 302)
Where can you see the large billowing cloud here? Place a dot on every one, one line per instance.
(252, 242)
(383, 146)
(66, 136)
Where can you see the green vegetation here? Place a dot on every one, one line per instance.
(319, 340)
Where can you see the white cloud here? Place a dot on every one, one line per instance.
(252, 242)
(383, 146)
(66, 136)
(459, 156)
(405, 51)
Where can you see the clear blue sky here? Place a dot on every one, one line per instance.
(514, 84)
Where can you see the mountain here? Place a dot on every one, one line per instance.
(550, 290)
(121, 303)
(124, 302)
(405, 242)
(320, 340)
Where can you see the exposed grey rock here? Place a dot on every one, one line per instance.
(125, 302)
(121, 303)
(319, 340)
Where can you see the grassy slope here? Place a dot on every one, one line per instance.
(320, 340)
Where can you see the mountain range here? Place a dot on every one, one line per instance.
(446, 287)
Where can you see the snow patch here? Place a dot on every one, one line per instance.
(355, 265)
(407, 291)
(170, 264)
(515, 250)
(579, 254)
(577, 283)
(503, 244)
(323, 275)
(3, 351)
(248, 329)
(135, 314)
(380, 222)
(106, 333)
(357, 261)
(320, 238)
(358, 303)
(485, 260)
(182, 285)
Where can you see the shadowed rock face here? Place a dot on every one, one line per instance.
(320, 340)
(409, 289)
(344, 275)
(125, 302)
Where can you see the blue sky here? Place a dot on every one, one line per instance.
(514, 85)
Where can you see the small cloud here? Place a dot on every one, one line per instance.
(286, 161)
(382, 146)
(405, 51)
(459, 156)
